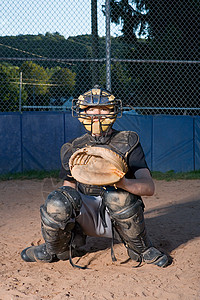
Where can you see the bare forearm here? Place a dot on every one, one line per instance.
(140, 186)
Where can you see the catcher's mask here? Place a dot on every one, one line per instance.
(97, 98)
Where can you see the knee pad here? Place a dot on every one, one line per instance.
(60, 206)
(121, 204)
(126, 213)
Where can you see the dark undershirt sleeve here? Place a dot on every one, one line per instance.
(65, 173)
(136, 160)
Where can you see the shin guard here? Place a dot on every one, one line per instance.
(126, 213)
(58, 220)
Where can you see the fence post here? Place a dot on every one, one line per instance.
(95, 43)
(20, 92)
(108, 47)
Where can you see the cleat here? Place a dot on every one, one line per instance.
(36, 253)
(154, 256)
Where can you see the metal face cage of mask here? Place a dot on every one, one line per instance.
(97, 98)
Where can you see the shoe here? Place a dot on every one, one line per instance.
(154, 256)
(36, 253)
(150, 256)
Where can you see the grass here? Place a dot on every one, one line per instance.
(168, 176)
(171, 175)
(30, 175)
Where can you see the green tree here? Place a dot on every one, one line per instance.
(62, 83)
(35, 77)
(35, 81)
(171, 28)
(9, 86)
(130, 16)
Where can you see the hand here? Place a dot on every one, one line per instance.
(121, 183)
(142, 185)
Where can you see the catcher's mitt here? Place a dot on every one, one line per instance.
(97, 166)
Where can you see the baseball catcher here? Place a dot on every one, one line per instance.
(104, 174)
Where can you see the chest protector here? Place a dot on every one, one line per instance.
(121, 142)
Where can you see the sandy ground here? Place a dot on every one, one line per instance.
(173, 221)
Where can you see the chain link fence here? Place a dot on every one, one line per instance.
(145, 51)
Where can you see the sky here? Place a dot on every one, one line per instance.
(68, 17)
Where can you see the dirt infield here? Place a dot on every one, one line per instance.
(173, 221)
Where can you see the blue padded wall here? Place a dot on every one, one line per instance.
(197, 142)
(10, 143)
(42, 137)
(73, 128)
(173, 147)
(32, 140)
